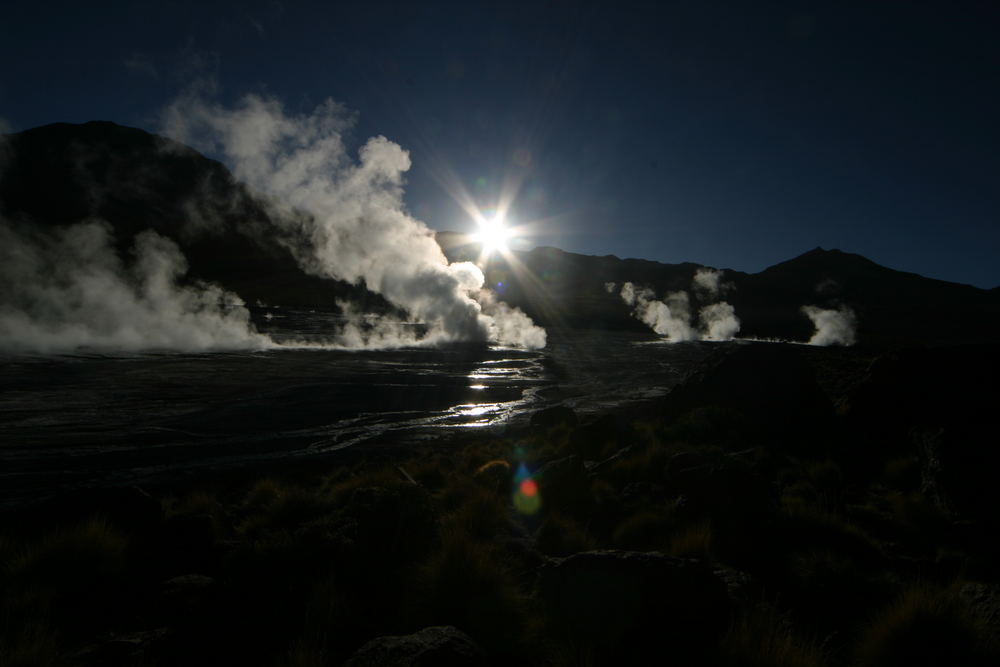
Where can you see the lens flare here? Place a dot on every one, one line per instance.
(493, 235)
(527, 500)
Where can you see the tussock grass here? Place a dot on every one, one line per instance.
(926, 625)
(763, 637)
(482, 514)
(27, 642)
(469, 584)
(70, 579)
(694, 541)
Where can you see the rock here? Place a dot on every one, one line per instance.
(187, 596)
(559, 415)
(442, 646)
(642, 494)
(126, 649)
(633, 605)
(598, 466)
(741, 587)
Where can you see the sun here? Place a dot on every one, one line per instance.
(493, 235)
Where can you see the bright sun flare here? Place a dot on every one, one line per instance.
(493, 235)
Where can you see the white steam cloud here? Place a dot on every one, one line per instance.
(833, 327)
(719, 321)
(671, 316)
(708, 285)
(347, 219)
(67, 289)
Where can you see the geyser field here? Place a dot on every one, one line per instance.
(267, 416)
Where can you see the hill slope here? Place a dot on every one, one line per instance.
(63, 173)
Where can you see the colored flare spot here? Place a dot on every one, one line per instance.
(527, 500)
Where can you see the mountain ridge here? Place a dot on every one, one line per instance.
(64, 173)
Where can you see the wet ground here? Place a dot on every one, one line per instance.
(85, 419)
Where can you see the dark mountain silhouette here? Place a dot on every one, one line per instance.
(892, 307)
(62, 173)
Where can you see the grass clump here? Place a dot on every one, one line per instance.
(469, 584)
(69, 579)
(764, 638)
(927, 625)
(694, 541)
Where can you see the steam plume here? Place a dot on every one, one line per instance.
(347, 219)
(719, 321)
(708, 285)
(833, 327)
(68, 289)
(672, 316)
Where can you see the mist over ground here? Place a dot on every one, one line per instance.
(69, 289)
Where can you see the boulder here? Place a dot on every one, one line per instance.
(442, 646)
(635, 605)
(132, 648)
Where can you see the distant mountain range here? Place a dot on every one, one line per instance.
(61, 174)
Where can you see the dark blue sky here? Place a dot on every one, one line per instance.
(734, 134)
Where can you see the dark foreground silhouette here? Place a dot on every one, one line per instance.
(783, 506)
